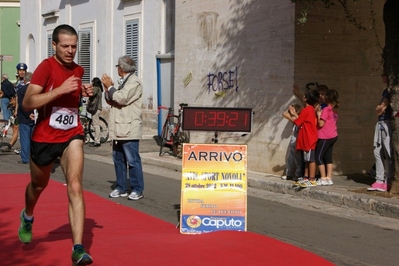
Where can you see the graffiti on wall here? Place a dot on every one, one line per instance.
(223, 81)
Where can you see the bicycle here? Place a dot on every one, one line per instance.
(5, 127)
(172, 135)
(89, 129)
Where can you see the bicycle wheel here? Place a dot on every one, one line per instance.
(182, 137)
(85, 123)
(164, 137)
(104, 131)
(5, 134)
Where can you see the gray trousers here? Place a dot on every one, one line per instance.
(383, 151)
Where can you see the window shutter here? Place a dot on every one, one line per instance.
(50, 50)
(84, 54)
(132, 41)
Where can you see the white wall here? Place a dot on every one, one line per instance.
(259, 41)
(107, 19)
(262, 42)
(255, 40)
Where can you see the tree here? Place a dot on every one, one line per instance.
(390, 57)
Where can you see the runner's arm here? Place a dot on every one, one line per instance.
(34, 98)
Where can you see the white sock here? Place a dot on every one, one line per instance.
(29, 218)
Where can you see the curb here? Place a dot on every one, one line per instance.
(349, 199)
(339, 196)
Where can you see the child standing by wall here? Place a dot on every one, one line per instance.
(327, 131)
(382, 142)
(294, 161)
(307, 135)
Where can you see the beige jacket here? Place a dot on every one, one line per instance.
(125, 120)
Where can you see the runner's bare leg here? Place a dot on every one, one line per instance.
(40, 176)
(72, 164)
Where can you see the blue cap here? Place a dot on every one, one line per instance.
(22, 66)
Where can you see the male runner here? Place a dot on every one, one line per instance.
(55, 91)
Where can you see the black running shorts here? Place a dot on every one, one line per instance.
(46, 153)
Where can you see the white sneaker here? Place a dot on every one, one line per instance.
(308, 183)
(116, 194)
(330, 182)
(135, 196)
(322, 182)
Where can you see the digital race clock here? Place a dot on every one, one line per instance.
(217, 119)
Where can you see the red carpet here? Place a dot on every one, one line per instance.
(118, 235)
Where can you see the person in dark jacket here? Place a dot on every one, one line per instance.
(8, 91)
(26, 121)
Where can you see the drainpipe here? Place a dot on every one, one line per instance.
(159, 96)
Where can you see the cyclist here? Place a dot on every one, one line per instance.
(8, 91)
(9, 111)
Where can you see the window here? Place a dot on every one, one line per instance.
(132, 41)
(50, 50)
(84, 54)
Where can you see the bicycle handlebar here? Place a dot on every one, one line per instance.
(165, 108)
(170, 109)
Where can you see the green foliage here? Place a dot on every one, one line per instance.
(327, 3)
(310, 4)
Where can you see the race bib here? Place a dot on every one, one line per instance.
(64, 118)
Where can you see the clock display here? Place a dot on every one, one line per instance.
(217, 119)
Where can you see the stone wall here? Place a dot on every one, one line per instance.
(239, 54)
(330, 50)
(259, 46)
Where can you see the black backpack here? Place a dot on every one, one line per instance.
(92, 105)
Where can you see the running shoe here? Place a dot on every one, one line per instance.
(6, 148)
(378, 186)
(25, 229)
(116, 194)
(298, 182)
(322, 182)
(135, 196)
(287, 177)
(95, 144)
(80, 256)
(308, 183)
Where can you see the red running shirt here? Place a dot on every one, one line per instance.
(307, 135)
(58, 121)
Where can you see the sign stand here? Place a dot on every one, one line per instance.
(214, 176)
(214, 188)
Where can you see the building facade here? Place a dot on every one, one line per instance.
(107, 29)
(250, 53)
(229, 53)
(9, 37)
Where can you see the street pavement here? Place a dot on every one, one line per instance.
(348, 190)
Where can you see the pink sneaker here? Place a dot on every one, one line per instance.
(378, 186)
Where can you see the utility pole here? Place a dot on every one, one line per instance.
(1, 65)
